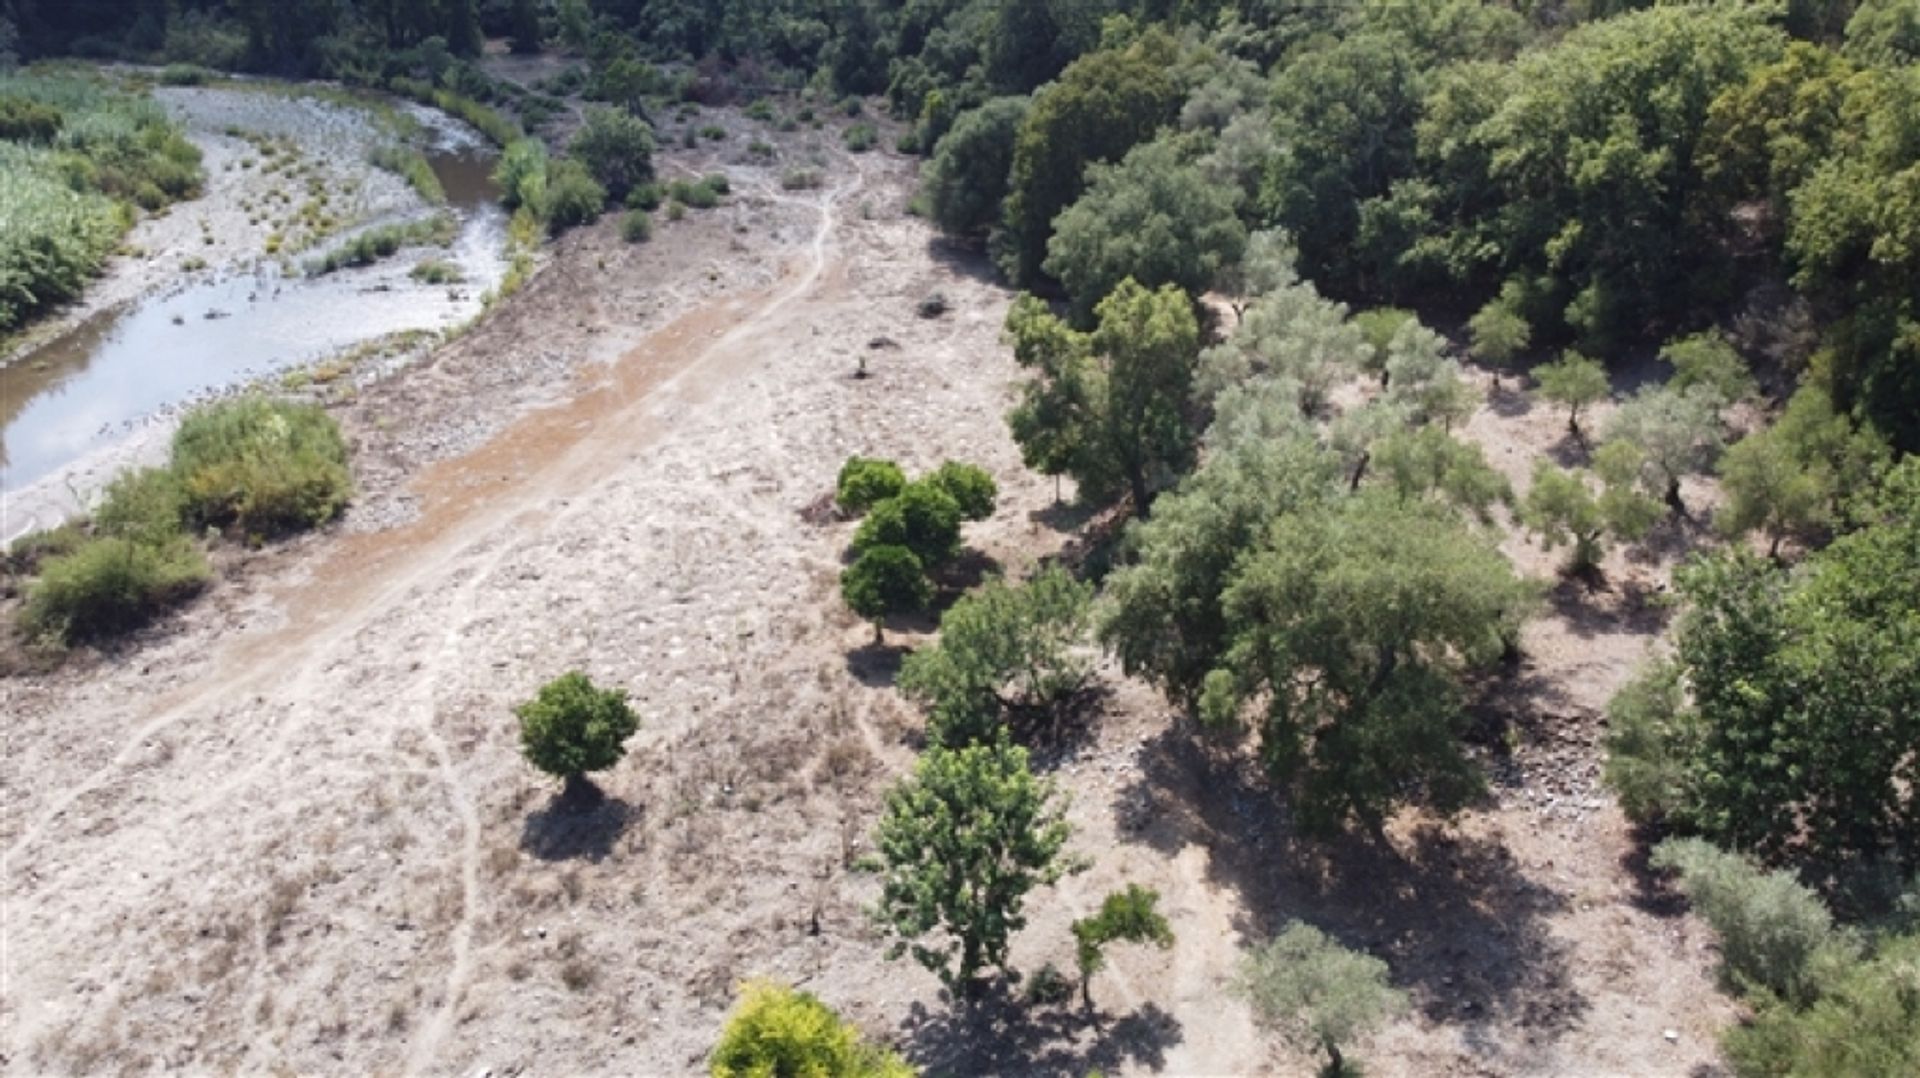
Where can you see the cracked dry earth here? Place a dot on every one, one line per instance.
(293, 831)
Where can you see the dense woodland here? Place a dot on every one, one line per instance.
(1727, 194)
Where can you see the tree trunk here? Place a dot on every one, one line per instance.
(1360, 471)
(1056, 488)
(1673, 497)
(1142, 498)
(879, 632)
(1336, 1065)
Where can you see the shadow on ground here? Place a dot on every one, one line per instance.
(1001, 1035)
(1461, 925)
(576, 829)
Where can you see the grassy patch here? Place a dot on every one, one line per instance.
(264, 467)
(109, 585)
(377, 243)
(410, 165)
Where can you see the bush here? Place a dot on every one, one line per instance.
(860, 138)
(645, 196)
(570, 728)
(1866, 1022)
(522, 174)
(800, 179)
(185, 75)
(969, 486)
(780, 1031)
(437, 271)
(265, 467)
(110, 585)
(1315, 993)
(700, 195)
(1770, 925)
(617, 148)
(636, 226)
(676, 210)
(864, 482)
(922, 517)
(383, 242)
(147, 505)
(573, 197)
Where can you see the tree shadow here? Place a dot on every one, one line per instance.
(1653, 890)
(963, 259)
(576, 829)
(1509, 401)
(964, 573)
(1588, 611)
(876, 665)
(1065, 516)
(1000, 1035)
(1461, 926)
(1673, 536)
(1571, 450)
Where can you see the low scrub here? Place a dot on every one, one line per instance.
(110, 585)
(377, 243)
(264, 467)
(410, 165)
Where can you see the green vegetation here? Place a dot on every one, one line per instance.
(570, 728)
(617, 148)
(110, 585)
(410, 165)
(1125, 916)
(1316, 994)
(963, 840)
(76, 158)
(636, 226)
(1561, 506)
(864, 483)
(384, 241)
(1573, 380)
(262, 466)
(885, 580)
(777, 1032)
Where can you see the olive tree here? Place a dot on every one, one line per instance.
(1316, 994)
(1561, 506)
(1573, 380)
(1500, 334)
(1677, 432)
(962, 841)
(570, 728)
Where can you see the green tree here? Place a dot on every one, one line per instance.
(1787, 479)
(1772, 927)
(570, 728)
(865, 482)
(1500, 334)
(781, 1032)
(1796, 698)
(1291, 338)
(1380, 325)
(1676, 433)
(1316, 994)
(966, 179)
(1127, 916)
(525, 30)
(923, 518)
(970, 487)
(1109, 407)
(885, 580)
(1100, 107)
(1708, 361)
(617, 148)
(1572, 380)
(1350, 629)
(1427, 462)
(1005, 653)
(1153, 217)
(1561, 507)
(963, 841)
(1864, 1022)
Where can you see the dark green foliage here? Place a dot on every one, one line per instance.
(1125, 916)
(863, 482)
(636, 226)
(1866, 1022)
(522, 174)
(923, 518)
(859, 138)
(699, 194)
(1108, 407)
(573, 196)
(1350, 629)
(1786, 480)
(570, 727)
(970, 487)
(617, 148)
(1788, 727)
(963, 840)
(885, 580)
(966, 180)
(109, 585)
(147, 504)
(525, 32)
(1005, 655)
(1154, 218)
(261, 466)
(1101, 106)
(777, 1032)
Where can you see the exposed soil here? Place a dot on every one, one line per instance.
(292, 829)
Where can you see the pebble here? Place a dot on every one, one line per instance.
(1672, 1036)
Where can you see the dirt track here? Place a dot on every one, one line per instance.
(295, 831)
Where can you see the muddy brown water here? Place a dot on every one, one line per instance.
(85, 389)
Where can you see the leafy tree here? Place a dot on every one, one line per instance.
(1290, 337)
(526, 32)
(963, 841)
(923, 518)
(1108, 407)
(781, 1032)
(1125, 916)
(1380, 325)
(570, 728)
(617, 148)
(966, 180)
(1787, 480)
(1350, 627)
(1423, 382)
(1676, 432)
(1102, 105)
(1005, 653)
(1771, 926)
(1708, 361)
(1427, 462)
(1163, 616)
(970, 487)
(884, 580)
(1572, 380)
(1863, 1023)
(1793, 708)
(1265, 266)
(864, 482)
(1316, 994)
(1500, 334)
(1152, 217)
(1884, 32)
(1561, 507)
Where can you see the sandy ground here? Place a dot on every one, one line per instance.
(292, 830)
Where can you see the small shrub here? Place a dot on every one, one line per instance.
(713, 132)
(1048, 987)
(522, 174)
(110, 585)
(860, 138)
(761, 110)
(617, 148)
(573, 197)
(933, 306)
(782, 1031)
(570, 728)
(717, 182)
(969, 486)
(263, 466)
(645, 196)
(676, 209)
(697, 195)
(185, 75)
(863, 482)
(800, 179)
(763, 150)
(636, 226)
(437, 271)
(1770, 925)
(147, 504)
